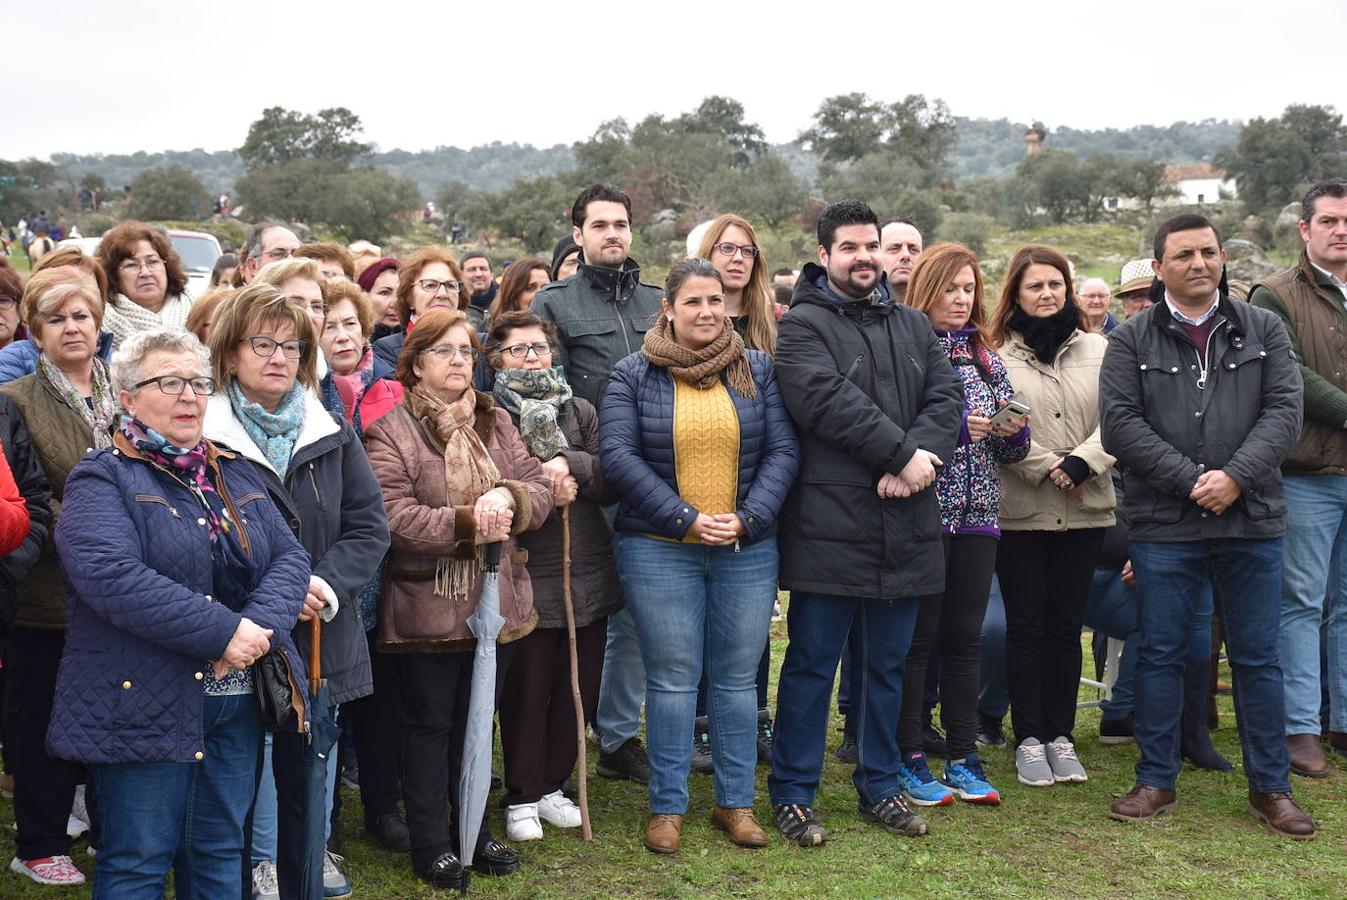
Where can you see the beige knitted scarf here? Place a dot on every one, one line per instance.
(702, 367)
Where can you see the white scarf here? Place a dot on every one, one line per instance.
(124, 317)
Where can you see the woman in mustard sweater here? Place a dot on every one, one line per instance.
(696, 442)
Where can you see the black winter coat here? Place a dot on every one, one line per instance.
(636, 427)
(596, 590)
(33, 487)
(867, 383)
(332, 502)
(1166, 430)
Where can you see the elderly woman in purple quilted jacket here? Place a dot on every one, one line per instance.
(947, 285)
(182, 575)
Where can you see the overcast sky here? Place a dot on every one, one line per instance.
(90, 76)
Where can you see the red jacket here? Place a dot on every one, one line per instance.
(13, 511)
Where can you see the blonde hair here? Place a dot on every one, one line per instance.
(48, 290)
(759, 300)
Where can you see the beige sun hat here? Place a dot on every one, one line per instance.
(1137, 275)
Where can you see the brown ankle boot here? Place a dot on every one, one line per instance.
(1282, 815)
(663, 833)
(1307, 755)
(743, 828)
(1142, 802)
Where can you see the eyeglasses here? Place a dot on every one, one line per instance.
(174, 385)
(265, 347)
(278, 253)
(521, 351)
(314, 306)
(149, 264)
(430, 286)
(1100, 296)
(8, 303)
(725, 248)
(449, 354)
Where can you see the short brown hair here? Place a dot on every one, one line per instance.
(260, 304)
(513, 282)
(11, 285)
(429, 329)
(203, 306)
(409, 270)
(998, 329)
(502, 325)
(336, 290)
(119, 244)
(935, 269)
(47, 290)
(328, 251)
(78, 259)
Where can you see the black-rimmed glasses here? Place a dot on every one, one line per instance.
(521, 351)
(174, 385)
(265, 347)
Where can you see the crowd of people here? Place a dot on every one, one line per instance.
(244, 536)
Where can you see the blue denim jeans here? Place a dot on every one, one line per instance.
(994, 694)
(1111, 609)
(184, 816)
(1245, 577)
(695, 604)
(1314, 601)
(818, 624)
(622, 687)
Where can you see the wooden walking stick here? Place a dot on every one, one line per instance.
(315, 655)
(585, 829)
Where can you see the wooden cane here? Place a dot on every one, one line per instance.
(586, 832)
(315, 655)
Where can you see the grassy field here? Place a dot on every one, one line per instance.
(1040, 842)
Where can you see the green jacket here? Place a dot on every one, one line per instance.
(61, 439)
(1312, 309)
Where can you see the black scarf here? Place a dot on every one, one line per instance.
(1045, 336)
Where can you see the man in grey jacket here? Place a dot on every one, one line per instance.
(602, 313)
(1200, 400)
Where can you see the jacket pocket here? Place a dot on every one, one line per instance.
(1144, 504)
(161, 501)
(837, 511)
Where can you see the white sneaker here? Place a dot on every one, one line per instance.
(265, 886)
(559, 810)
(521, 823)
(78, 822)
(49, 870)
(336, 886)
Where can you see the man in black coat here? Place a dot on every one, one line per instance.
(877, 407)
(1200, 400)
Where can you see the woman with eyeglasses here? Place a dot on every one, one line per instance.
(11, 289)
(182, 575)
(698, 444)
(731, 244)
(148, 281)
(264, 350)
(537, 718)
(428, 278)
(455, 475)
(70, 409)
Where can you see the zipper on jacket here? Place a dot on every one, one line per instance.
(314, 482)
(1204, 358)
(851, 370)
(617, 308)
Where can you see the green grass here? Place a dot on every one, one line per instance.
(1041, 841)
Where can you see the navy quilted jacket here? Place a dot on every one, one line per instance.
(636, 439)
(136, 554)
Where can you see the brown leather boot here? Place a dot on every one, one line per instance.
(1307, 755)
(1282, 815)
(1142, 802)
(743, 828)
(663, 833)
(1337, 741)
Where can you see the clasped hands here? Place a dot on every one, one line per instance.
(494, 514)
(916, 476)
(1215, 491)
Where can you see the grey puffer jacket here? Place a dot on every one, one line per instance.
(602, 316)
(1166, 428)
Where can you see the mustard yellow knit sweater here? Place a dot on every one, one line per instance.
(706, 448)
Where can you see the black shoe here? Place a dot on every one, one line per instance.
(701, 748)
(627, 761)
(496, 782)
(444, 872)
(848, 752)
(893, 815)
(990, 733)
(766, 737)
(390, 832)
(933, 742)
(798, 824)
(494, 858)
(1116, 731)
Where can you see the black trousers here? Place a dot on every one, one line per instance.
(44, 787)
(375, 723)
(950, 623)
(537, 713)
(1045, 577)
(435, 692)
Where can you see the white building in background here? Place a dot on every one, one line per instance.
(1198, 184)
